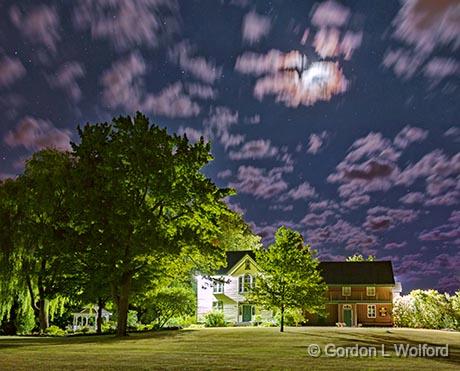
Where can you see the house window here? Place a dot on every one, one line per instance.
(346, 291)
(218, 305)
(247, 264)
(218, 287)
(371, 311)
(370, 291)
(245, 283)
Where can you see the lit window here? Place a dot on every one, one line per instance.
(245, 283)
(370, 291)
(371, 311)
(346, 291)
(218, 287)
(218, 305)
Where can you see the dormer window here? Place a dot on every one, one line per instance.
(370, 291)
(346, 291)
(218, 287)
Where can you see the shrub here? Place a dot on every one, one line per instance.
(292, 317)
(426, 309)
(214, 319)
(55, 331)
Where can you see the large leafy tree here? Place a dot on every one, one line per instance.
(142, 198)
(36, 247)
(236, 234)
(290, 276)
(360, 258)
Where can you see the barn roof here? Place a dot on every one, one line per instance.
(335, 273)
(357, 273)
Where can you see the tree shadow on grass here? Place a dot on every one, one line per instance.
(388, 340)
(40, 341)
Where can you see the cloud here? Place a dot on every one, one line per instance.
(172, 101)
(192, 134)
(40, 25)
(421, 28)
(11, 70)
(303, 191)
(198, 67)
(254, 149)
(123, 86)
(320, 82)
(412, 198)
(218, 124)
(259, 182)
(125, 23)
(312, 219)
(122, 83)
(224, 174)
(448, 232)
(395, 245)
(66, 78)
(201, 91)
(382, 218)
(36, 134)
(453, 132)
(255, 27)
(330, 13)
(409, 135)
(316, 141)
(355, 202)
(327, 43)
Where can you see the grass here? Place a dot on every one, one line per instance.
(225, 348)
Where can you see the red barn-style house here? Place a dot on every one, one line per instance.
(358, 294)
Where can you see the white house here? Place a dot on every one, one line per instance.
(225, 291)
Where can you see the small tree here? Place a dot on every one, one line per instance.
(360, 258)
(290, 277)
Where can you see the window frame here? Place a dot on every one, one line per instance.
(346, 290)
(370, 291)
(218, 287)
(371, 311)
(218, 305)
(245, 283)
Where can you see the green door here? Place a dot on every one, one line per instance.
(347, 317)
(247, 313)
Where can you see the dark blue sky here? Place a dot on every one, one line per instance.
(339, 119)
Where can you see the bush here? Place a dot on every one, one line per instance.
(132, 319)
(292, 317)
(214, 319)
(55, 331)
(427, 309)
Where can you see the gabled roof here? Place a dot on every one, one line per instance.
(357, 273)
(234, 257)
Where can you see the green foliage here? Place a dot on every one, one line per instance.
(166, 303)
(214, 319)
(55, 331)
(427, 309)
(292, 317)
(290, 277)
(132, 318)
(142, 200)
(236, 234)
(360, 258)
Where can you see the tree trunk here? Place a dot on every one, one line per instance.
(282, 319)
(43, 314)
(123, 302)
(100, 306)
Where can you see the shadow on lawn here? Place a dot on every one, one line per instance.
(37, 341)
(388, 339)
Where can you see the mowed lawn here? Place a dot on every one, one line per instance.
(225, 348)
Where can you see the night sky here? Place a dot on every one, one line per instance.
(340, 120)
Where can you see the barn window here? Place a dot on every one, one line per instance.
(371, 311)
(346, 291)
(370, 291)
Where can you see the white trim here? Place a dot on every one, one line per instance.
(374, 310)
